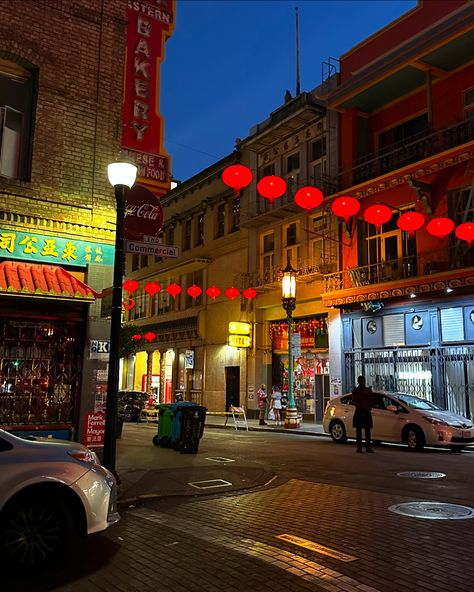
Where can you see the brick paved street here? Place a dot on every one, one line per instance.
(323, 493)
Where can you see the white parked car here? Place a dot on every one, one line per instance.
(51, 491)
(401, 418)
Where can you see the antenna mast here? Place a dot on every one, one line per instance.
(298, 89)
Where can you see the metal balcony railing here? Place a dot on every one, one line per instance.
(399, 269)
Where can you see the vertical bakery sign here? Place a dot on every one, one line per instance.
(150, 24)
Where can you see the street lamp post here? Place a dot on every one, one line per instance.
(288, 298)
(122, 174)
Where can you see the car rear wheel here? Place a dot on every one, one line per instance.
(127, 414)
(415, 438)
(338, 432)
(36, 532)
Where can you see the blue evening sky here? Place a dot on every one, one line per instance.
(229, 62)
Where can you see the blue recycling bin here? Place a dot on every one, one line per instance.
(178, 421)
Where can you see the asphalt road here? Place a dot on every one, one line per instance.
(323, 523)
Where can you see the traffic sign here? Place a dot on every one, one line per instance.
(148, 248)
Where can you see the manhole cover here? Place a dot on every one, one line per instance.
(422, 475)
(433, 510)
(221, 459)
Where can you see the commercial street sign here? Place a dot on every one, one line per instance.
(147, 248)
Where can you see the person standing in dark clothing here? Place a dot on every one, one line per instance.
(363, 400)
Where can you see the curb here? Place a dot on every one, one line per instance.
(268, 430)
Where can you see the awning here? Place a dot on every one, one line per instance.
(42, 281)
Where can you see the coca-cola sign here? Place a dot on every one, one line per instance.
(143, 213)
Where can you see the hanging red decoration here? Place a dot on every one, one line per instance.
(136, 337)
(232, 293)
(174, 290)
(130, 286)
(237, 176)
(377, 214)
(309, 198)
(150, 336)
(152, 288)
(345, 207)
(249, 293)
(440, 227)
(410, 222)
(213, 292)
(271, 187)
(465, 231)
(129, 305)
(194, 291)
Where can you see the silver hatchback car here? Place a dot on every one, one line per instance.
(51, 491)
(401, 418)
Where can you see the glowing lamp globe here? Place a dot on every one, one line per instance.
(271, 187)
(213, 292)
(130, 286)
(232, 293)
(410, 222)
(194, 291)
(152, 288)
(465, 231)
(309, 198)
(377, 214)
(440, 227)
(237, 176)
(345, 207)
(249, 293)
(174, 290)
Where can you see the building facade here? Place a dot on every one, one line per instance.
(60, 116)
(406, 105)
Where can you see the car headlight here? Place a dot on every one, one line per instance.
(86, 456)
(435, 421)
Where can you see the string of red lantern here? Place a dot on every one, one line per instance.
(249, 293)
(232, 293)
(271, 187)
(309, 198)
(152, 288)
(440, 227)
(377, 214)
(410, 222)
(237, 176)
(345, 207)
(465, 231)
(174, 289)
(213, 292)
(194, 291)
(130, 286)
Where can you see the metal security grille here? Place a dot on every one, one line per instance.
(444, 375)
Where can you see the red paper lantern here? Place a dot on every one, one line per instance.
(152, 288)
(271, 187)
(232, 293)
(309, 198)
(237, 176)
(410, 222)
(136, 337)
(194, 291)
(213, 292)
(129, 305)
(249, 293)
(465, 231)
(149, 336)
(174, 290)
(130, 286)
(377, 214)
(345, 207)
(440, 227)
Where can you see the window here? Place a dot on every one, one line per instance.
(144, 261)
(199, 230)
(139, 311)
(220, 221)
(161, 303)
(235, 212)
(135, 262)
(318, 148)
(187, 229)
(291, 234)
(267, 262)
(405, 132)
(293, 162)
(170, 236)
(291, 251)
(268, 170)
(17, 106)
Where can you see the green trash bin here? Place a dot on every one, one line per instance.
(165, 424)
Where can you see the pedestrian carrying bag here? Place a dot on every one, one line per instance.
(271, 414)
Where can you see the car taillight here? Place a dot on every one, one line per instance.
(86, 456)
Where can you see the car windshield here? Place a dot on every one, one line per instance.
(416, 403)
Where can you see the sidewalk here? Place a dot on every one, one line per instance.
(150, 472)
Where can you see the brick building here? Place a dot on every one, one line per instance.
(61, 66)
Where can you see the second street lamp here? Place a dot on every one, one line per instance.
(122, 174)
(288, 298)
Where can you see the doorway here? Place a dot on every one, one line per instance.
(232, 386)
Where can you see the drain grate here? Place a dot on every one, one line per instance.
(422, 475)
(210, 484)
(433, 510)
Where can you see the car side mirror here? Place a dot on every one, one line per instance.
(392, 408)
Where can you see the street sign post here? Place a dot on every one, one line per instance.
(148, 248)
